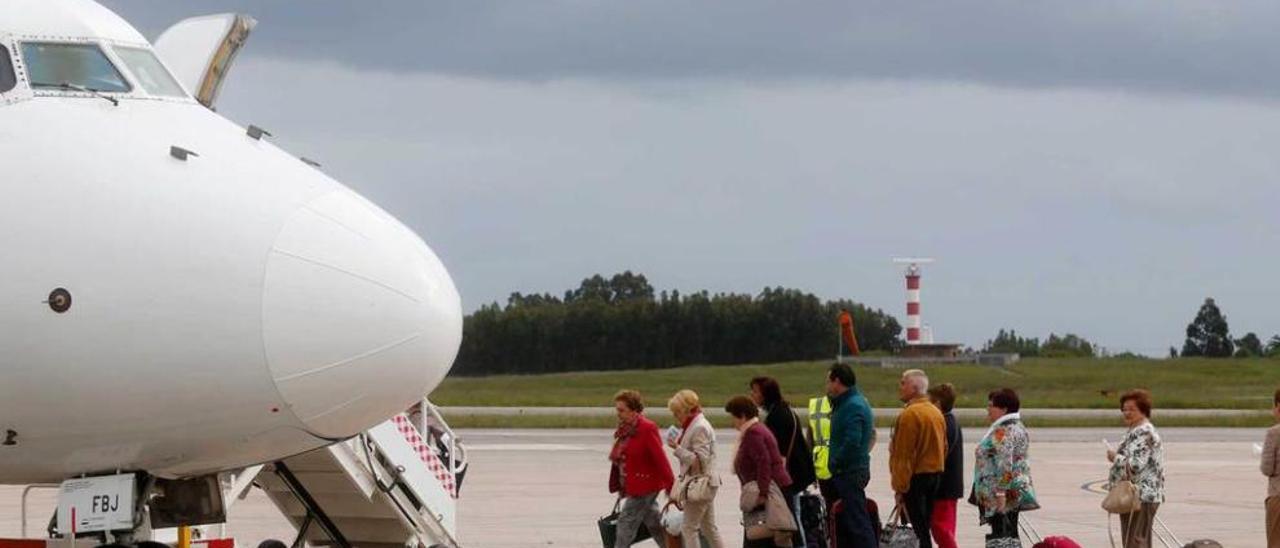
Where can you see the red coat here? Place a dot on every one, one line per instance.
(648, 469)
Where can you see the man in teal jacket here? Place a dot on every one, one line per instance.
(852, 435)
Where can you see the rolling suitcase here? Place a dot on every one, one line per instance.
(873, 511)
(813, 520)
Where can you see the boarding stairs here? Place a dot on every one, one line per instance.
(390, 487)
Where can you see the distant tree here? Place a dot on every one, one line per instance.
(1208, 334)
(1008, 342)
(1066, 346)
(1129, 355)
(1273, 347)
(1249, 346)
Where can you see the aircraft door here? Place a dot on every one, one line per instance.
(8, 78)
(200, 50)
(12, 86)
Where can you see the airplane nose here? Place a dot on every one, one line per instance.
(360, 318)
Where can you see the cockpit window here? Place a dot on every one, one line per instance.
(7, 79)
(150, 72)
(84, 66)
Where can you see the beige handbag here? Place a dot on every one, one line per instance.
(696, 487)
(1122, 498)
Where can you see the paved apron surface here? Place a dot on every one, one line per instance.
(531, 488)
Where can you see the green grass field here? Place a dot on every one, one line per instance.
(1049, 383)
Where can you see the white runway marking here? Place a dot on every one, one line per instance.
(529, 447)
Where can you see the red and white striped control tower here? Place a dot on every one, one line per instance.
(913, 297)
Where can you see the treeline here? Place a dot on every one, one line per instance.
(1207, 336)
(621, 323)
(1066, 346)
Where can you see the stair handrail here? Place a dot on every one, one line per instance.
(26, 492)
(457, 453)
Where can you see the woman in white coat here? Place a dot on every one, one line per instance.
(695, 448)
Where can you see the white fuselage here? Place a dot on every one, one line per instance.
(234, 308)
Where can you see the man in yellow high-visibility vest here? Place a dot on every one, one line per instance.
(820, 438)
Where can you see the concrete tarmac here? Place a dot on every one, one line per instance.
(528, 488)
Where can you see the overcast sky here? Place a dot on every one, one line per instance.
(1090, 167)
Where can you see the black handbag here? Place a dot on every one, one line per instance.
(609, 528)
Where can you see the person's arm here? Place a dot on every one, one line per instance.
(1142, 451)
(901, 452)
(780, 425)
(842, 442)
(702, 447)
(856, 432)
(1269, 448)
(1127, 459)
(685, 454)
(662, 466)
(1005, 457)
(760, 471)
(808, 434)
(953, 435)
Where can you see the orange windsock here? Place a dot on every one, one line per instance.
(846, 332)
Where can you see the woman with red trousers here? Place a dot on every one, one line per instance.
(943, 518)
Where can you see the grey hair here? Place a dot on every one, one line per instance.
(919, 379)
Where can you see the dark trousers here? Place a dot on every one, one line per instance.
(853, 519)
(1004, 525)
(918, 502)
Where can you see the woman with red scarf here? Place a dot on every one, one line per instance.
(640, 470)
(696, 451)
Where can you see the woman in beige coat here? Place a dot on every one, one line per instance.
(1271, 469)
(695, 448)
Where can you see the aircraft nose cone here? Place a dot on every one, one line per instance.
(360, 318)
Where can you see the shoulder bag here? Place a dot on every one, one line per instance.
(608, 526)
(696, 486)
(1122, 498)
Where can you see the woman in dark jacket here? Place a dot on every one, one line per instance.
(943, 518)
(758, 461)
(794, 445)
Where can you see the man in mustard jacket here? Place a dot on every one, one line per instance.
(917, 453)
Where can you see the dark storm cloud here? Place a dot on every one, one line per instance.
(1180, 47)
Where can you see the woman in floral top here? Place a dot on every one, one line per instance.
(1139, 459)
(1001, 472)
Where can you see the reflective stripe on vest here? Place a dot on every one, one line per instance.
(820, 426)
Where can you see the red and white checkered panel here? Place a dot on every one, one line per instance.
(427, 453)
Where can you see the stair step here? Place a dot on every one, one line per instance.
(312, 461)
(339, 507)
(363, 532)
(332, 481)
